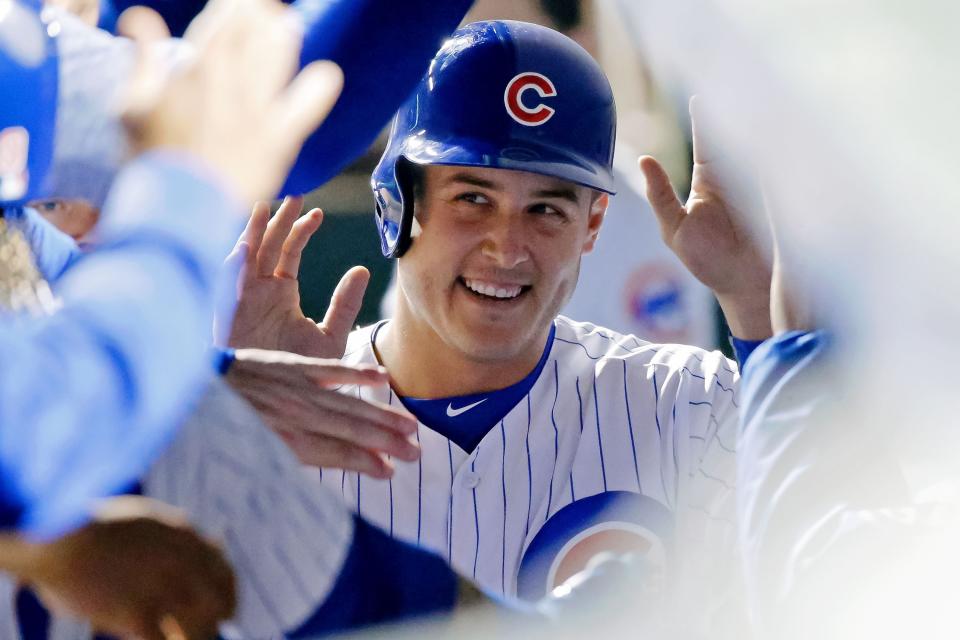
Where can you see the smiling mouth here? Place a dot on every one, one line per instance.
(487, 291)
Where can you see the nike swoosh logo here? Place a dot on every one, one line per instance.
(453, 413)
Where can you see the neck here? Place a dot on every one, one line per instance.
(423, 365)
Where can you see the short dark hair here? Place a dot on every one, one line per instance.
(566, 14)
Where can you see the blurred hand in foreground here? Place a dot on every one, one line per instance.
(297, 397)
(238, 104)
(135, 569)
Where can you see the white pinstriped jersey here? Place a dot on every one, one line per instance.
(608, 413)
(240, 484)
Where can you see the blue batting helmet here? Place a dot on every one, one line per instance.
(502, 94)
(28, 84)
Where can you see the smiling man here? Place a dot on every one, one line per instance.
(543, 441)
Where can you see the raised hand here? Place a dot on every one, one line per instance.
(296, 397)
(711, 236)
(268, 315)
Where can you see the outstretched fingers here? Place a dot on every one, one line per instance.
(292, 251)
(323, 451)
(276, 234)
(256, 227)
(663, 199)
(345, 303)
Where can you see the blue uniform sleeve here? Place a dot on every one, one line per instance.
(743, 348)
(815, 489)
(90, 395)
(384, 48)
(53, 250)
(382, 580)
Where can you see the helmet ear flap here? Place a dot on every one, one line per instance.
(406, 180)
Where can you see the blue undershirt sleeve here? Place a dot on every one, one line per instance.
(382, 580)
(743, 348)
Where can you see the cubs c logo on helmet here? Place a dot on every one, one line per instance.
(513, 98)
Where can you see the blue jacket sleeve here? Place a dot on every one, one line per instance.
(384, 48)
(90, 395)
(816, 490)
(382, 580)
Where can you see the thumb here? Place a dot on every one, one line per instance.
(235, 265)
(666, 206)
(345, 303)
(234, 269)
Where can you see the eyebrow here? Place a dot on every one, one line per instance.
(563, 194)
(560, 193)
(466, 178)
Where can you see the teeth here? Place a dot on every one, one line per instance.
(489, 290)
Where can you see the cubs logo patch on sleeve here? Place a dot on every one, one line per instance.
(613, 522)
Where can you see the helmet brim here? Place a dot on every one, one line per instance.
(531, 157)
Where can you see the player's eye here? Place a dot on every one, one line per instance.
(47, 205)
(549, 210)
(473, 197)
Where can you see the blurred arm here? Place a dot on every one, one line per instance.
(103, 383)
(820, 497)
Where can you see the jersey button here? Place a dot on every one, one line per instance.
(471, 479)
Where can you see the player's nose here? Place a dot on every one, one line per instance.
(505, 242)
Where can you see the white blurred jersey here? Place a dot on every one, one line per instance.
(618, 443)
(240, 485)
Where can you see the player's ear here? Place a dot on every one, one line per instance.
(598, 210)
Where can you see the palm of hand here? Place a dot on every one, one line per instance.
(269, 317)
(268, 314)
(708, 241)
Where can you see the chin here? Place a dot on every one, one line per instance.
(491, 344)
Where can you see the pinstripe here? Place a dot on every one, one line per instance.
(476, 516)
(419, 490)
(596, 410)
(676, 448)
(316, 515)
(656, 403)
(450, 523)
(573, 495)
(246, 567)
(288, 565)
(526, 528)
(503, 485)
(556, 435)
(359, 512)
(579, 404)
(390, 479)
(633, 444)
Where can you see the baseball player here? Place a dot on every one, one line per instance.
(543, 440)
